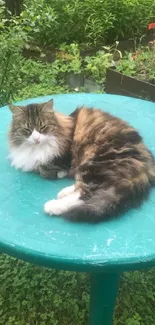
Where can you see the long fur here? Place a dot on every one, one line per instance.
(53, 130)
(105, 204)
(113, 169)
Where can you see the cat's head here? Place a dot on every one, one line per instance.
(33, 123)
(38, 124)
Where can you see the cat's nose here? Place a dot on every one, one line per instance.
(36, 136)
(37, 140)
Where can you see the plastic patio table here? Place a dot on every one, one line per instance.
(104, 250)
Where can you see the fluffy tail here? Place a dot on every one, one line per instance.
(102, 205)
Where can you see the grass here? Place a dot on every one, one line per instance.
(31, 295)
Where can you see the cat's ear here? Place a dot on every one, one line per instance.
(48, 107)
(15, 109)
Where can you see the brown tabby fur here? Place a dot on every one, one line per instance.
(26, 118)
(112, 167)
(46, 121)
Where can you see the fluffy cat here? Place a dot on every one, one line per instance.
(38, 138)
(112, 167)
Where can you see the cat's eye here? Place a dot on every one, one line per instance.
(27, 130)
(43, 128)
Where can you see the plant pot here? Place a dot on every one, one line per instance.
(77, 80)
(91, 86)
(117, 83)
(74, 80)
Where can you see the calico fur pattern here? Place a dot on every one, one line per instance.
(112, 167)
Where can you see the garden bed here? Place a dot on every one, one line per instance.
(50, 54)
(118, 83)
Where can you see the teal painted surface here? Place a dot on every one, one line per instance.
(27, 233)
(104, 288)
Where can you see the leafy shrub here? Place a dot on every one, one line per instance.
(11, 43)
(140, 65)
(40, 21)
(131, 18)
(24, 78)
(69, 58)
(2, 13)
(34, 72)
(89, 22)
(48, 23)
(37, 90)
(96, 66)
(21, 78)
(54, 22)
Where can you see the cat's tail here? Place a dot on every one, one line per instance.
(102, 205)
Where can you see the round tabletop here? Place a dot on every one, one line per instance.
(27, 233)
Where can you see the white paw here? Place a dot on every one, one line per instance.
(53, 208)
(66, 191)
(62, 174)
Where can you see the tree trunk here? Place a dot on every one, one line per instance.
(14, 6)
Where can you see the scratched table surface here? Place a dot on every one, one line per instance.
(27, 233)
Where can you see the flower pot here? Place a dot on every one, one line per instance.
(118, 83)
(91, 86)
(74, 80)
(77, 80)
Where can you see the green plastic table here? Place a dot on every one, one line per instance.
(104, 250)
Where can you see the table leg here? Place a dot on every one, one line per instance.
(104, 288)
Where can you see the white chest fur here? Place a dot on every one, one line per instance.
(29, 156)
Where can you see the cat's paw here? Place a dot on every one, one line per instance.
(53, 208)
(62, 173)
(47, 174)
(66, 191)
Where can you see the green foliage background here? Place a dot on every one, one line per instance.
(87, 22)
(72, 25)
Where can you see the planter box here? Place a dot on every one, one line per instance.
(74, 80)
(117, 83)
(77, 80)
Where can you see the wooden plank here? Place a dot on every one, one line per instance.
(117, 83)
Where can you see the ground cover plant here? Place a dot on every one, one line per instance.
(30, 295)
